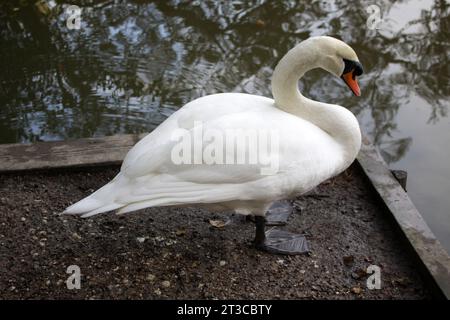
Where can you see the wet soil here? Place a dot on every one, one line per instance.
(171, 253)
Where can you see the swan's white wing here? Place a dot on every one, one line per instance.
(152, 154)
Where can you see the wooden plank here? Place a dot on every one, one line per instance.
(64, 154)
(430, 251)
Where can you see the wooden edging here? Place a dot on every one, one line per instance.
(112, 150)
(428, 249)
(66, 154)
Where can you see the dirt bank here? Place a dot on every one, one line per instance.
(176, 253)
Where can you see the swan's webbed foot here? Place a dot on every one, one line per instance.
(279, 213)
(278, 241)
(284, 242)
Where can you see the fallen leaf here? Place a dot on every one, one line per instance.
(180, 232)
(218, 223)
(348, 260)
(260, 23)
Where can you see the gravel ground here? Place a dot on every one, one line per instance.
(162, 253)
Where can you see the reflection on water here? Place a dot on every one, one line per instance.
(133, 63)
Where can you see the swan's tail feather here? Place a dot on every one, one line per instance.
(136, 206)
(204, 194)
(106, 208)
(131, 195)
(100, 201)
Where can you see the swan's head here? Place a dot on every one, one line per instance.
(338, 58)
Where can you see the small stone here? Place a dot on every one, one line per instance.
(403, 282)
(359, 274)
(165, 284)
(140, 239)
(23, 219)
(76, 236)
(356, 290)
(222, 263)
(170, 242)
(157, 292)
(151, 277)
(355, 276)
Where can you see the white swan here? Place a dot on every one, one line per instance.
(316, 141)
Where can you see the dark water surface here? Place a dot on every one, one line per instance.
(132, 63)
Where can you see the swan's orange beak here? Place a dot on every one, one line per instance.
(350, 79)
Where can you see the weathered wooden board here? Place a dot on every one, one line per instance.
(63, 154)
(408, 218)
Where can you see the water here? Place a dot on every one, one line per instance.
(133, 63)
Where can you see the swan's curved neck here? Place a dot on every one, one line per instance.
(337, 121)
(285, 79)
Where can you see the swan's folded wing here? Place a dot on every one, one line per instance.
(218, 112)
(190, 155)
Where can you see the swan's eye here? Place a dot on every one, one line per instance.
(352, 69)
(358, 69)
(351, 65)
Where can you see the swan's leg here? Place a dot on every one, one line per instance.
(278, 241)
(277, 215)
(260, 234)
